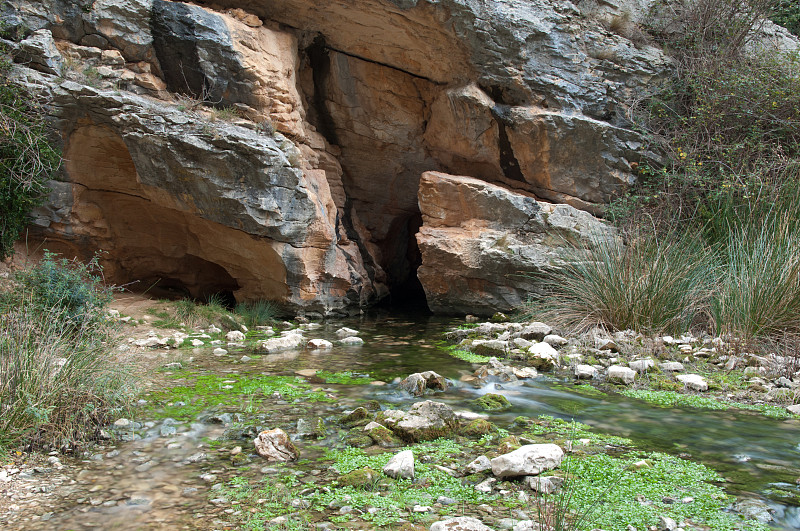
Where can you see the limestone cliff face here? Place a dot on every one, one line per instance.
(310, 195)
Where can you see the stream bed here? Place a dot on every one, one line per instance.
(164, 477)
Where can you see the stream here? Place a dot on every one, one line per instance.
(161, 480)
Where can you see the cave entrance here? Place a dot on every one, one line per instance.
(404, 258)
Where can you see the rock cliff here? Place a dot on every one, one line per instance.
(275, 149)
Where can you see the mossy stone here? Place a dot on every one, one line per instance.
(358, 439)
(358, 417)
(478, 427)
(361, 478)
(493, 402)
(384, 437)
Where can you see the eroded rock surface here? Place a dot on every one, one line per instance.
(308, 191)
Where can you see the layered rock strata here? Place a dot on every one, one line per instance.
(275, 149)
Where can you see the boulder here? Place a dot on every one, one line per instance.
(481, 464)
(535, 331)
(235, 336)
(346, 332)
(543, 357)
(278, 344)
(671, 366)
(641, 366)
(483, 245)
(417, 383)
(695, 382)
(620, 374)
(319, 344)
(352, 341)
(585, 372)
(274, 445)
(493, 402)
(425, 421)
(401, 465)
(528, 460)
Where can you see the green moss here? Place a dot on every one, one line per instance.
(493, 402)
(478, 427)
(205, 391)
(466, 355)
(357, 438)
(361, 478)
(358, 417)
(384, 437)
(674, 399)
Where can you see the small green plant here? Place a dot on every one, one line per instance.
(257, 313)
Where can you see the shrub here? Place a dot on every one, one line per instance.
(69, 287)
(27, 157)
(60, 380)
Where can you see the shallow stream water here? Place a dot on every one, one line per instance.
(162, 481)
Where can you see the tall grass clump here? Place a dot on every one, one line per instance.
(257, 313)
(650, 284)
(757, 244)
(59, 379)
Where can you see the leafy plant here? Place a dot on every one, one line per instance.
(256, 313)
(27, 157)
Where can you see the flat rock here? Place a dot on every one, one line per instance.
(462, 523)
(618, 373)
(585, 372)
(695, 382)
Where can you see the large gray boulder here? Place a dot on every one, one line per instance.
(425, 421)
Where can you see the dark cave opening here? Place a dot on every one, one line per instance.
(405, 289)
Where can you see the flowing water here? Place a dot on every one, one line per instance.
(162, 480)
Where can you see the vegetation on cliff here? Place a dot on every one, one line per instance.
(27, 157)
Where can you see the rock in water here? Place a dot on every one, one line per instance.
(462, 523)
(528, 460)
(417, 383)
(401, 465)
(274, 445)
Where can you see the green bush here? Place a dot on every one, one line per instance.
(27, 157)
(787, 14)
(69, 287)
(60, 379)
(256, 313)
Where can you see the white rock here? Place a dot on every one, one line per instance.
(695, 382)
(346, 332)
(149, 342)
(213, 330)
(478, 465)
(320, 344)
(585, 372)
(235, 335)
(671, 366)
(352, 341)
(114, 314)
(618, 373)
(462, 523)
(401, 465)
(555, 340)
(641, 366)
(287, 342)
(220, 352)
(528, 460)
(795, 409)
(197, 343)
(544, 350)
(525, 372)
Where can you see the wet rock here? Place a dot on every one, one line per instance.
(490, 347)
(753, 509)
(425, 421)
(618, 373)
(360, 416)
(319, 344)
(666, 523)
(311, 428)
(417, 383)
(278, 344)
(274, 445)
(401, 465)
(358, 439)
(585, 372)
(478, 427)
(352, 341)
(555, 340)
(493, 402)
(695, 382)
(346, 332)
(528, 460)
